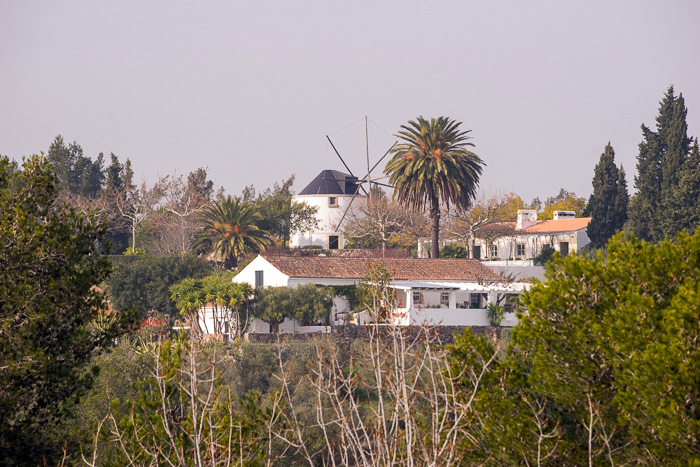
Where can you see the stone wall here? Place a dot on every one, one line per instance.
(347, 334)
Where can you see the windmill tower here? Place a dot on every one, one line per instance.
(333, 193)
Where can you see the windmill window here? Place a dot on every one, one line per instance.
(333, 242)
(333, 201)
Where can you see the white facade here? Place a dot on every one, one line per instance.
(447, 303)
(261, 273)
(528, 237)
(527, 245)
(331, 208)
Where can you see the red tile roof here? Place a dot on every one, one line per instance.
(399, 268)
(559, 225)
(549, 226)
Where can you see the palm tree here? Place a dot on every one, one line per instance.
(229, 229)
(432, 164)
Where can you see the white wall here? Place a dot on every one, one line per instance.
(328, 219)
(507, 246)
(272, 277)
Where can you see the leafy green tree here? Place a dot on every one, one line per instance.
(76, 172)
(279, 215)
(667, 175)
(432, 165)
(143, 281)
(603, 366)
(306, 303)
(230, 229)
(118, 181)
(608, 203)
(51, 263)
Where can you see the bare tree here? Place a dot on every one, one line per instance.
(378, 221)
(418, 413)
(186, 416)
(488, 208)
(395, 399)
(175, 224)
(136, 204)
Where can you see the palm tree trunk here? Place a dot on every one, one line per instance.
(435, 225)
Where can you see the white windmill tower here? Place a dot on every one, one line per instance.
(333, 193)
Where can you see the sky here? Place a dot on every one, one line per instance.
(250, 89)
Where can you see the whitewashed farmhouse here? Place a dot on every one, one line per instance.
(525, 238)
(450, 292)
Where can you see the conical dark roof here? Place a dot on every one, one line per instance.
(331, 182)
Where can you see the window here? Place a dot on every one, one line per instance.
(333, 241)
(333, 201)
(520, 249)
(444, 298)
(476, 252)
(494, 251)
(474, 300)
(259, 279)
(417, 297)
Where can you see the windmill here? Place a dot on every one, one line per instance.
(360, 182)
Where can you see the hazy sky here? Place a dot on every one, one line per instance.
(250, 89)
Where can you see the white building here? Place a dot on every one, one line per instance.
(525, 238)
(331, 192)
(450, 292)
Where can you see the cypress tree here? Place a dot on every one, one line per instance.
(683, 206)
(666, 175)
(608, 203)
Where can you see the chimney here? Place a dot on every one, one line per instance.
(526, 218)
(559, 215)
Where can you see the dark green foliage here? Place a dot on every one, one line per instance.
(608, 204)
(119, 368)
(346, 291)
(50, 263)
(279, 215)
(75, 172)
(603, 367)
(432, 165)
(545, 256)
(143, 281)
(668, 176)
(453, 250)
(308, 304)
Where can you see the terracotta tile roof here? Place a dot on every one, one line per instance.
(560, 225)
(549, 226)
(399, 268)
